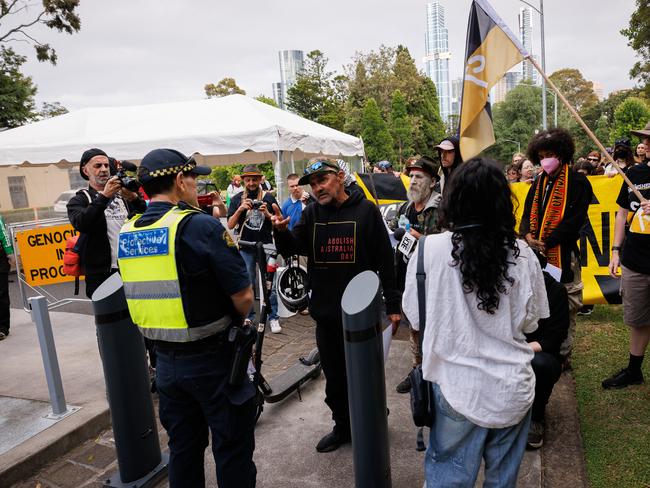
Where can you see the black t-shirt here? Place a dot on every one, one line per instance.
(416, 219)
(635, 254)
(253, 226)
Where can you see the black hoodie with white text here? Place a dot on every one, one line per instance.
(341, 242)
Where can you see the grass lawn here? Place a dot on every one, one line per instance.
(615, 424)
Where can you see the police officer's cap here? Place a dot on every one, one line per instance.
(163, 162)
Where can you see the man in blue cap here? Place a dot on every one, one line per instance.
(186, 287)
(342, 234)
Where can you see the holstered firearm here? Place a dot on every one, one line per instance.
(243, 339)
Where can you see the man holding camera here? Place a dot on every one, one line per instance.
(250, 214)
(187, 290)
(98, 212)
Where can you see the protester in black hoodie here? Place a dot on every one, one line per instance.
(343, 235)
(450, 159)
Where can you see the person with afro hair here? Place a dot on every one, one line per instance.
(554, 212)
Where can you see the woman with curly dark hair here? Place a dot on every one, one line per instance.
(484, 289)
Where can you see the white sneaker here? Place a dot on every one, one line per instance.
(275, 326)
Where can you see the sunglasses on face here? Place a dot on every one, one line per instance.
(318, 165)
(592, 159)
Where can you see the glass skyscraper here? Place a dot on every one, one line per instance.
(291, 64)
(528, 71)
(437, 56)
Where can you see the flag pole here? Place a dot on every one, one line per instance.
(593, 137)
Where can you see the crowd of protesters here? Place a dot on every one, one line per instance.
(496, 320)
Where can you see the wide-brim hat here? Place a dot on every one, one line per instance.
(645, 132)
(319, 167)
(251, 170)
(163, 162)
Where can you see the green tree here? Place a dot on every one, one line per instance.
(429, 129)
(357, 93)
(515, 119)
(53, 109)
(267, 100)
(603, 131)
(16, 90)
(638, 34)
(376, 137)
(222, 175)
(378, 75)
(378, 80)
(600, 118)
(578, 91)
(60, 15)
(227, 86)
(629, 115)
(401, 127)
(306, 97)
(318, 94)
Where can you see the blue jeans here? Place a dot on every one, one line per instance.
(194, 399)
(456, 447)
(249, 259)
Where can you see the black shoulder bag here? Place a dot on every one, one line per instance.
(421, 404)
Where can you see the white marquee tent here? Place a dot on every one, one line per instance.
(233, 129)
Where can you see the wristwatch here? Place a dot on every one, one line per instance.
(616, 248)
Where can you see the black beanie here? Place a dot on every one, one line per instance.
(87, 156)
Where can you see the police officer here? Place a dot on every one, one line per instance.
(186, 285)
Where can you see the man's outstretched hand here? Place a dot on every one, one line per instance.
(279, 222)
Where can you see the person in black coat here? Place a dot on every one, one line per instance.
(342, 234)
(98, 213)
(555, 211)
(547, 362)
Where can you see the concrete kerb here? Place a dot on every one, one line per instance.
(27, 458)
(83, 382)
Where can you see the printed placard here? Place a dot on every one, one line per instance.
(41, 254)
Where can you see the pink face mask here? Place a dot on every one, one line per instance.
(550, 164)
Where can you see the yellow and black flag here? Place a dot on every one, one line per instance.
(491, 50)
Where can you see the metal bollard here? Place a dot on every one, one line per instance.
(364, 359)
(127, 385)
(41, 318)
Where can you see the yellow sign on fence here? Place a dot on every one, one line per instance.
(41, 253)
(596, 238)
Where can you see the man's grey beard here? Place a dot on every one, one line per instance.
(419, 195)
(101, 180)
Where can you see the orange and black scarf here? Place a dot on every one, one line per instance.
(553, 213)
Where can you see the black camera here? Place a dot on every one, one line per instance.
(257, 204)
(119, 169)
(127, 181)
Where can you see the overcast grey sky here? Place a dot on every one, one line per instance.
(148, 51)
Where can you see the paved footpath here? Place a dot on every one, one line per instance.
(61, 456)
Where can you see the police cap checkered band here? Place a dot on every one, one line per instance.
(163, 162)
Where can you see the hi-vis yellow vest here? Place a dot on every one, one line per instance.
(147, 261)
